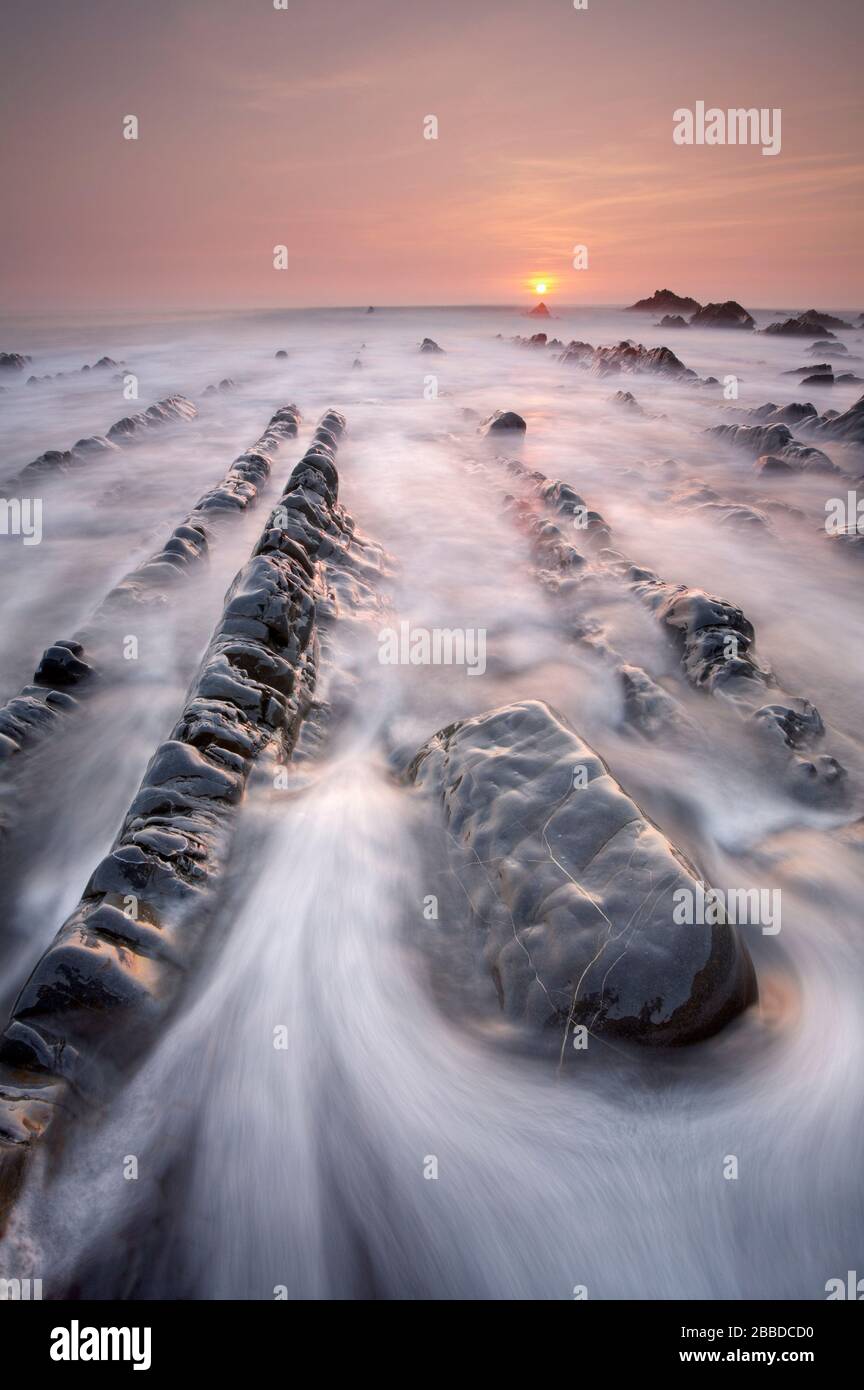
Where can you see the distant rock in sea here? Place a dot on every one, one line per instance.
(673, 321)
(829, 320)
(625, 400)
(728, 315)
(803, 326)
(371, 309)
(13, 361)
(539, 312)
(665, 302)
(429, 345)
(626, 357)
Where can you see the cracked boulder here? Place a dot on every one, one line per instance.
(571, 889)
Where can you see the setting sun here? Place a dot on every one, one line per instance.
(540, 286)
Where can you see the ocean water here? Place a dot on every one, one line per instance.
(305, 1170)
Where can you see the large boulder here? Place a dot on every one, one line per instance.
(571, 890)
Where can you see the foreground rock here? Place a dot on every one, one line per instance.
(847, 428)
(776, 440)
(572, 890)
(44, 707)
(665, 302)
(103, 988)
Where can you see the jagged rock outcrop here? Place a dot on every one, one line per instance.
(625, 400)
(727, 315)
(673, 321)
(802, 326)
(572, 891)
(13, 361)
(777, 440)
(827, 320)
(665, 302)
(540, 311)
(429, 345)
(847, 428)
(627, 358)
(100, 992)
(103, 365)
(716, 640)
(55, 462)
(41, 708)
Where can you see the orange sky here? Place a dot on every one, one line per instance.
(305, 127)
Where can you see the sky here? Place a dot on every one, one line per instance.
(303, 127)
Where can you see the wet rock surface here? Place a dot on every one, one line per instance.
(571, 888)
(55, 462)
(27, 718)
(97, 996)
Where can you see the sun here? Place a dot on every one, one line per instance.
(540, 286)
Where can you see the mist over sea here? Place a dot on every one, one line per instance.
(302, 1168)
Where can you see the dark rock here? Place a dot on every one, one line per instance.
(805, 325)
(728, 315)
(429, 345)
(665, 301)
(571, 890)
(13, 361)
(673, 321)
(281, 353)
(105, 986)
(847, 428)
(539, 312)
(62, 665)
(819, 379)
(504, 422)
(627, 401)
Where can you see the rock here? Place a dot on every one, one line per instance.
(538, 340)
(429, 345)
(106, 984)
(817, 367)
(13, 361)
(571, 891)
(281, 353)
(847, 427)
(665, 301)
(356, 365)
(60, 461)
(805, 325)
(728, 315)
(539, 312)
(827, 320)
(819, 379)
(503, 422)
(627, 401)
(627, 357)
(673, 321)
(829, 349)
(62, 665)
(370, 310)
